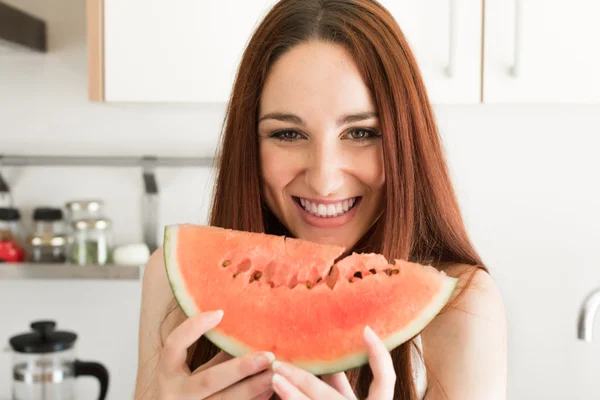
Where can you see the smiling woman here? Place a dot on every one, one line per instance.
(320, 148)
(329, 137)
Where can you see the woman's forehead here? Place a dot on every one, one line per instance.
(316, 79)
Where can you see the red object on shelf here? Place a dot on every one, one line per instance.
(10, 252)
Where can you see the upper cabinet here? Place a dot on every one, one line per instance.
(445, 37)
(168, 51)
(541, 51)
(468, 51)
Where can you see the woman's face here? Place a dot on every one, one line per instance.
(320, 146)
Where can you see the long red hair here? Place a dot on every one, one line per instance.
(421, 221)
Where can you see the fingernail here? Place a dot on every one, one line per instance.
(214, 316)
(282, 368)
(277, 379)
(369, 334)
(264, 358)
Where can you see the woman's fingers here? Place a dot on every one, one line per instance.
(218, 359)
(228, 373)
(380, 360)
(286, 391)
(257, 387)
(340, 383)
(303, 382)
(176, 344)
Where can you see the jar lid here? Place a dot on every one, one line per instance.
(43, 339)
(92, 223)
(88, 205)
(47, 214)
(9, 214)
(47, 240)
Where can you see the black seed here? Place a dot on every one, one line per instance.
(308, 285)
(358, 275)
(330, 270)
(255, 276)
(351, 280)
(372, 270)
(319, 279)
(226, 263)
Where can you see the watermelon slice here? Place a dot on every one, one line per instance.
(287, 296)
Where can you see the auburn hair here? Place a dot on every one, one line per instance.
(421, 221)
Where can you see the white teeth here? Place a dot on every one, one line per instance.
(322, 210)
(331, 210)
(327, 210)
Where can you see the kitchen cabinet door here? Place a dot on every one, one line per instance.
(542, 51)
(445, 36)
(175, 51)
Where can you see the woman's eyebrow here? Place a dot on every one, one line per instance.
(294, 119)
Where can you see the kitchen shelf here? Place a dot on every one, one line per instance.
(9, 271)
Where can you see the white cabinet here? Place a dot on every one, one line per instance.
(467, 50)
(174, 51)
(552, 43)
(445, 36)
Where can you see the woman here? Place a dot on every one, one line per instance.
(330, 137)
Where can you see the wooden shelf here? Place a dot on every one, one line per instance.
(42, 271)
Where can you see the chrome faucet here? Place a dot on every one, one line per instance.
(587, 313)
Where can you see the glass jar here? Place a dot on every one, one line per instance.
(47, 248)
(11, 249)
(84, 209)
(91, 241)
(48, 220)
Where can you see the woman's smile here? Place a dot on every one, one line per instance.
(327, 213)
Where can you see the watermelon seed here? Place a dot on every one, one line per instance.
(330, 270)
(308, 284)
(319, 279)
(395, 271)
(372, 270)
(255, 276)
(358, 275)
(236, 274)
(388, 272)
(226, 263)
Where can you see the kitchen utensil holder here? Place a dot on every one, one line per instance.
(148, 165)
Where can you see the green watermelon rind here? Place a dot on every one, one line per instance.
(317, 367)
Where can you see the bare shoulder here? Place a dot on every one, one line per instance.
(159, 315)
(465, 346)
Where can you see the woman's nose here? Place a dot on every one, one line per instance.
(324, 174)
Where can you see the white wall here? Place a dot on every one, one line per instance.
(526, 178)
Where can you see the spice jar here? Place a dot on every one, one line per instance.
(47, 248)
(84, 209)
(91, 241)
(48, 220)
(11, 249)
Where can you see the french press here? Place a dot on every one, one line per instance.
(45, 366)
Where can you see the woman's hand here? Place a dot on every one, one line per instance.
(221, 378)
(292, 383)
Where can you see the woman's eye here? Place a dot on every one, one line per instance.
(362, 134)
(285, 135)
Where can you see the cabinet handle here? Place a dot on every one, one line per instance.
(451, 40)
(516, 68)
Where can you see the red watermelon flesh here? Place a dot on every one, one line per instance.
(289, 296)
